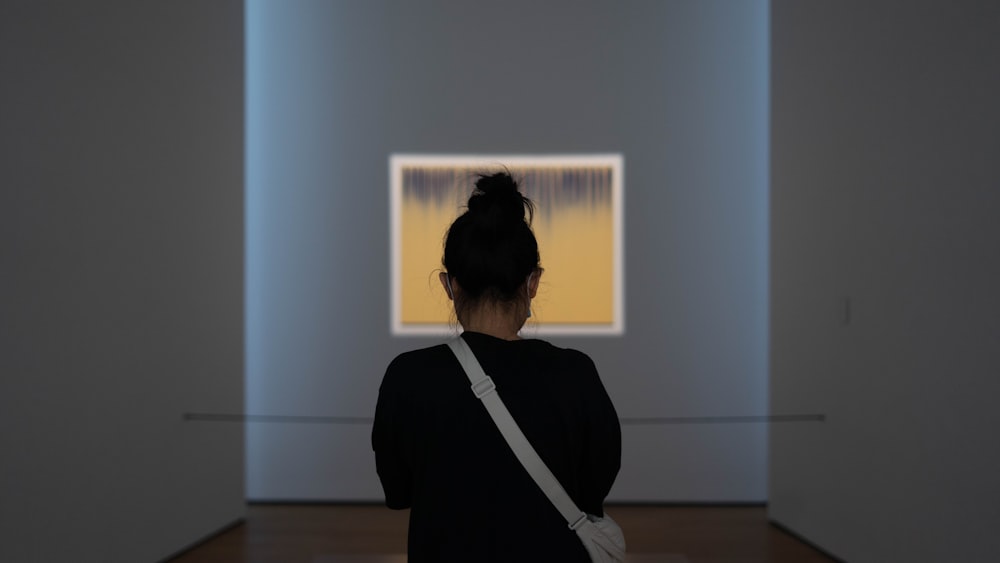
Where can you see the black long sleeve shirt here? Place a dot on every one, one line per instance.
(439, 453)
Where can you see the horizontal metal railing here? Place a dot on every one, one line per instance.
(625, 421)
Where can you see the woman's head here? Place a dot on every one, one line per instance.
(490, 251)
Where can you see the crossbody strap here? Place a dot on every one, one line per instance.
(485, 390)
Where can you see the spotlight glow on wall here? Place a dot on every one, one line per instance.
(578, 223)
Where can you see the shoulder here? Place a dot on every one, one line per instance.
(419, 356)
(408, 367)
(565, 359)
(565, 354)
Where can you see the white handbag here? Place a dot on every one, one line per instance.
(602, 537)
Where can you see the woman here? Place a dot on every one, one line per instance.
(437, 450)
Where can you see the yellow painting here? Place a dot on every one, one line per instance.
(577, 221)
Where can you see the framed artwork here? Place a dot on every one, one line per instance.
(578, 223)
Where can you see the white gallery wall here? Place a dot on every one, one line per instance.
(121, 275)
(885, 275)
(680, 89)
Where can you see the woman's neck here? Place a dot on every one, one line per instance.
(493, 321)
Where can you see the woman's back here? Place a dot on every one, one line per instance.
(439, 453)
(437, 450)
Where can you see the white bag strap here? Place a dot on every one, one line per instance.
(485, 390)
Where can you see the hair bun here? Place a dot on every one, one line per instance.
(490, 249)
(497, 197)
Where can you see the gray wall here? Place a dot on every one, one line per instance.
(679, 88)
(885, 194)
(121, 307)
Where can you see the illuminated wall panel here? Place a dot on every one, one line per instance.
(578, 223)
(678, 88)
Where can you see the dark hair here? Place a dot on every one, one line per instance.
(490, 249)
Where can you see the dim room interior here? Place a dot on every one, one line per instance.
(196, 296)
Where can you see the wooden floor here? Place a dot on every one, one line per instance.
(374, 534)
